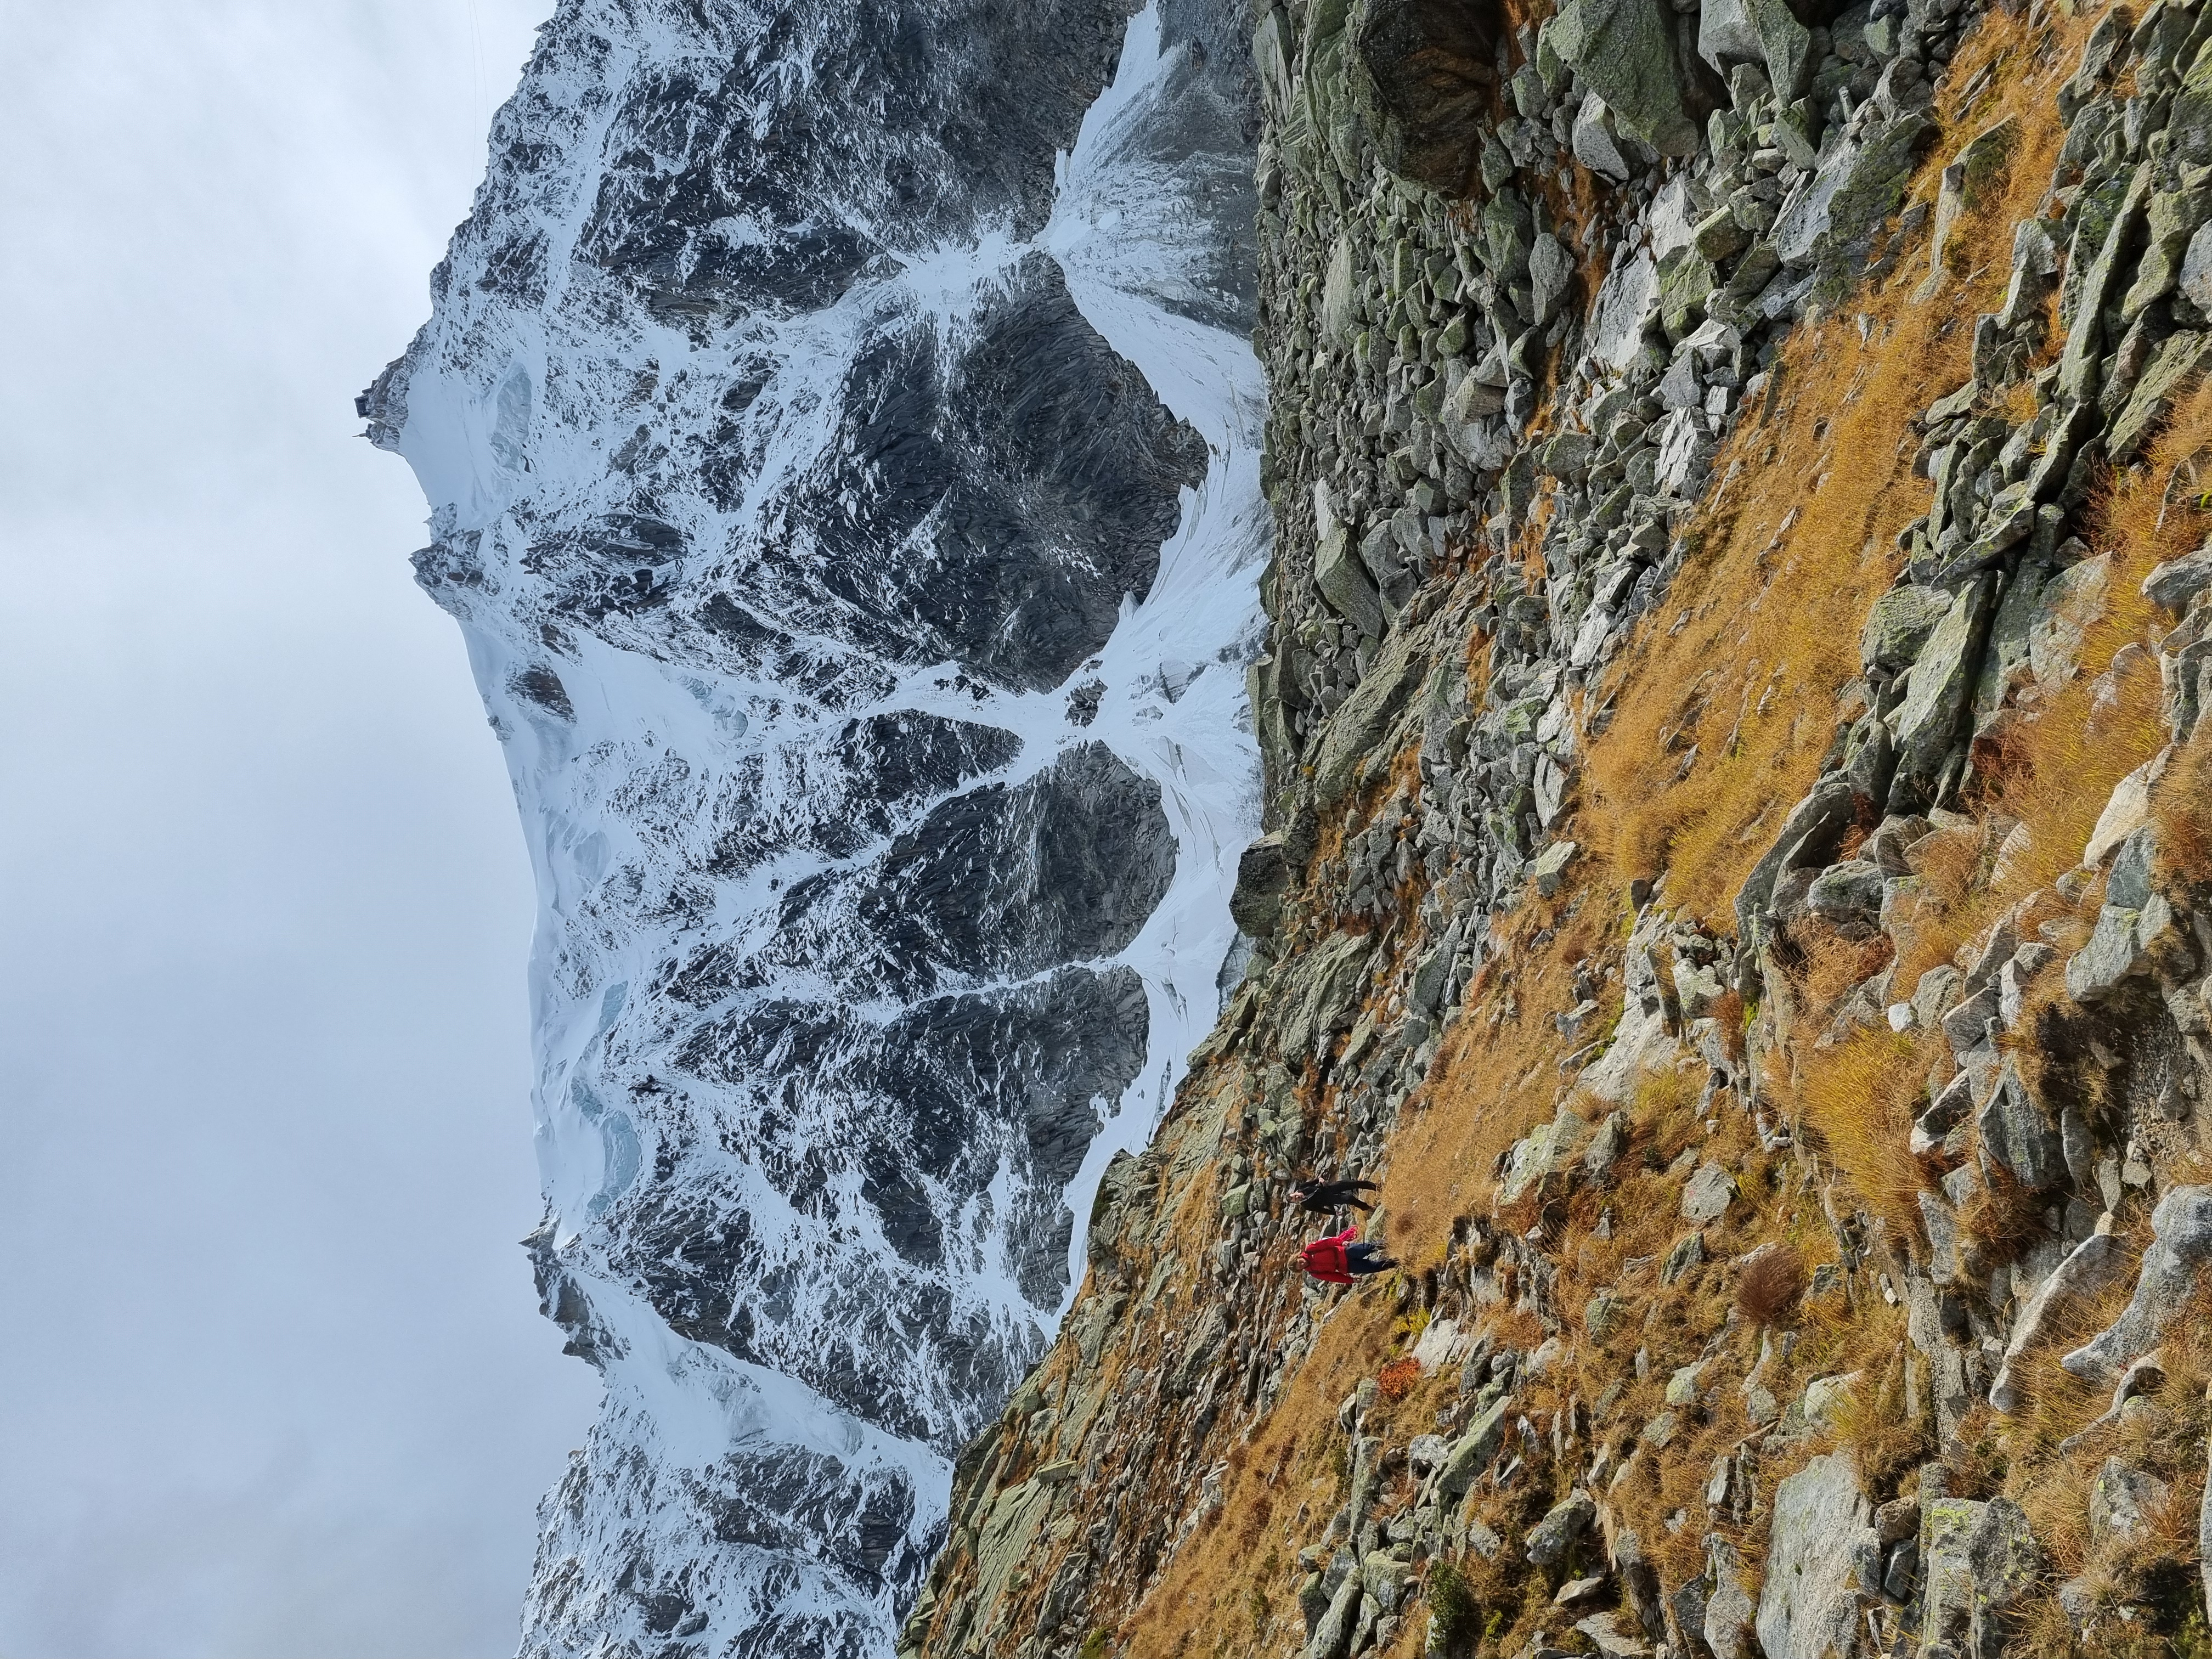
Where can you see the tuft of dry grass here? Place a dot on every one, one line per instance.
(1771, 1281)
(1874, 1417)
(2155, 1572)
(1398, 1379)
(1859, 1097)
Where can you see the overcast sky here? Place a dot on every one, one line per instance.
(273, 1379)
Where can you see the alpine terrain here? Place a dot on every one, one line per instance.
(1589, 621)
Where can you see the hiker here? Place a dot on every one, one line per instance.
(1339, 1258)
(1323, 1197)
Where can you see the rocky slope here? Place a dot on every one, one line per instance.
(1738, 856)
(840, 431)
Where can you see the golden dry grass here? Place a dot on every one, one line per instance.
(1747, 656)
(2155, 1571)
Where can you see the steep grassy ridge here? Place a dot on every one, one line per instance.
(1737, 873)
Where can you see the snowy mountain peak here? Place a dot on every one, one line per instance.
(841, 436)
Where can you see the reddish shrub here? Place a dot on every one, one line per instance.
(1397, 1379)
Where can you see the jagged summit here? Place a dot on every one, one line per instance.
(840, 429)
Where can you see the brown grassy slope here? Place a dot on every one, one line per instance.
(1771, 615)
(1745, 662)
(1744, 659)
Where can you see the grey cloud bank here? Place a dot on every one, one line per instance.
(274, 1381)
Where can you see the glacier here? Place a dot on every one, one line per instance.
(841, 433)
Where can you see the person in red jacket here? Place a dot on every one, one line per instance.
(1337, 1259)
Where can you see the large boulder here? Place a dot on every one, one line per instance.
(1472, 1453)
(2018, 1134)
(1361, 721)
(1823, 1555)
(1557, 1533)
(1627, 301)
(1322, 992)
(1928, 724)
(2066, 608)
(1900, 624)
(1860, 182)
(2171, 374)
(1343, 581)
(2093, 1266)
(1423, 82)
(1624, 52)
(1332, 1632)
(2138, 932)
(1340, 287)
(1263, 876)
(2181, 1249)
(2121, 1501)
(1762, 32)
(1977, 1560)
(1808, 835)
(1544, 1151)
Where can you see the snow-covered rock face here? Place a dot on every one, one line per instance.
(842, 443)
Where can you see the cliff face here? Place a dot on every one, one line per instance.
(840, 426)
(1736, 874)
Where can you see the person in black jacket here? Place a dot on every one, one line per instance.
(1323, 1197)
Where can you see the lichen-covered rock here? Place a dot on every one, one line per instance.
(2138, 932)
(2126, 809)
(1929, 722)
(2204, 1531)
(1625, 50)
(1545, 1149)
(1900, 624)
(1977, 1560)
(1709, 1194)
(2066, 608)
(1848, 892)
(1356, 727)
(2092, 1267)
(1729, 1626)
(2179, 1254)
(2160, 386)
(2018, 1134)
(1567, 1522)
(1859, 184)
(2121, 1499)
(1332, 1634)
(2176, 583)
(1472, 1453)
(1807, 837)
(1344, 582)
(1549, 866)
(1818, 1548)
